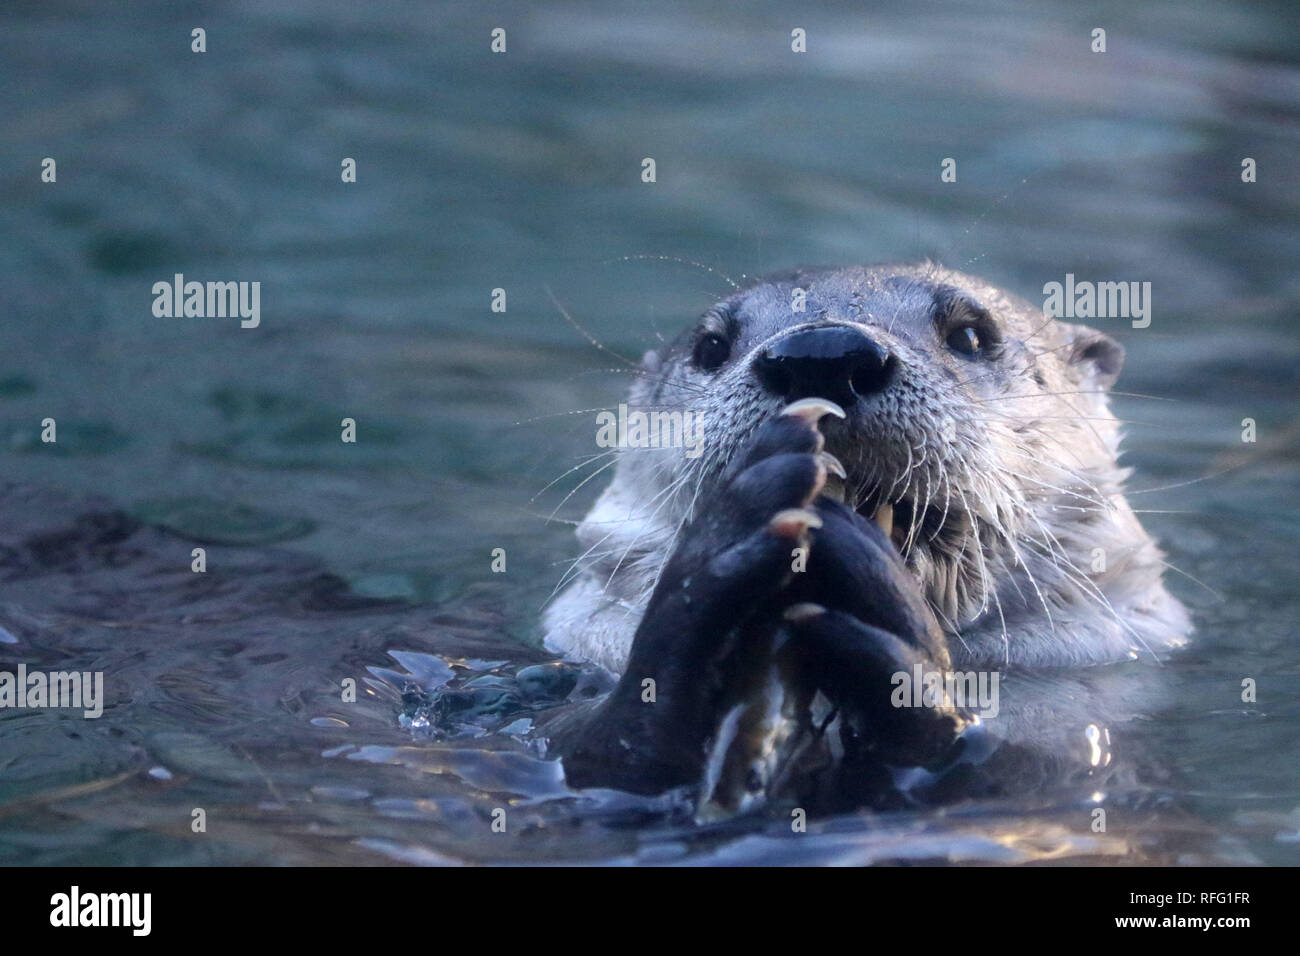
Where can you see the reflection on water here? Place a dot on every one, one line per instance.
(371, 562)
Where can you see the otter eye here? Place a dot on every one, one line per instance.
(964, 340)
(710, 352)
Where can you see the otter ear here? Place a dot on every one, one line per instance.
(1097, 357)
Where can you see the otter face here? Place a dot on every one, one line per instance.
(974, 423)
(977, 434)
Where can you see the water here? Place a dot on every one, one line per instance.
(522, 172)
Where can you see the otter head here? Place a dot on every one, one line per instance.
(977, 432)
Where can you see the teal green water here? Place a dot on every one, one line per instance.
(522, 172)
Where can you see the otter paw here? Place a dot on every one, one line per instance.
(857, 666)
(855, 568)
(862, 620)
(722, 588)
(739, 552)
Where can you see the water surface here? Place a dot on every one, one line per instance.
(371, 561)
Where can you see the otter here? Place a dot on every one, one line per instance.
(905, 471)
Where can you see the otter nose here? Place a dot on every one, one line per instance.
(828, 361)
